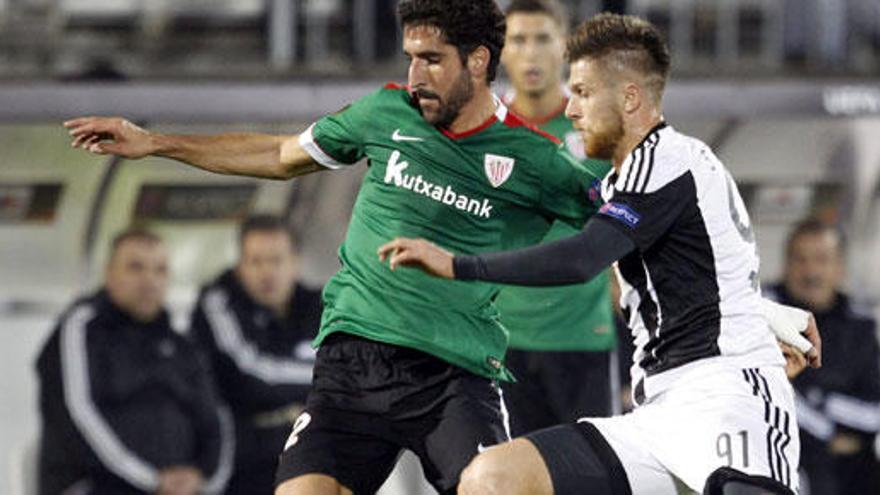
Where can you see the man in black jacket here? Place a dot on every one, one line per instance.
(257, 323)
(838, 405)
(127, 405)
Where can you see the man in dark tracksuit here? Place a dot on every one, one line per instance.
(838, 404)
(127, 405)
(257, 324)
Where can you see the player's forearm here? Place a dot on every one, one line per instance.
(251, 155)
(576, 259)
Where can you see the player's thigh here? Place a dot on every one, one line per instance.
(509, 468)
(753, 427)
(742, 419)
(608, 455)
(473, 418)
(312, 484)
(352, 449)
(632, 447)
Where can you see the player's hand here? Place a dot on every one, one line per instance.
(795, 360)
(110, 135)
(418, 253)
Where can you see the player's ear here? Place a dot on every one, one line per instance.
(478, 60)
(632, 97)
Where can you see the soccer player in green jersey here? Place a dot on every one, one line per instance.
(405, 360)
(561, 338)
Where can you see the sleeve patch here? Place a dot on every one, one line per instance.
(621, 213)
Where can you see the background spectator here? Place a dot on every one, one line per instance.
(127, 406)
(257, 323)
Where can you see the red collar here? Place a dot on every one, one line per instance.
(470, 132)
(500, 115)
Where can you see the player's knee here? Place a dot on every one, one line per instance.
(485, 475)
(729, 481)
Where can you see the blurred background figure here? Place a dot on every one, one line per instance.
(561, 338)
(127, 404)
(838, 404)
(256, 323)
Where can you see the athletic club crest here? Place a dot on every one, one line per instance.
(498, 168)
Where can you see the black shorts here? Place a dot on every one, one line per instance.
(370, 400)
(557, 387)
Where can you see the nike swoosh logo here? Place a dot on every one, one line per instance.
(397, 136)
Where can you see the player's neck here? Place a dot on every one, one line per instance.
(634, 132)
(475, 112)
(538, 108)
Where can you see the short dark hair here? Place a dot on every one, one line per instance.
(633, 43)
(264, 223)
(552, 8)
(465, 24)
(814, 226)
(137, 233)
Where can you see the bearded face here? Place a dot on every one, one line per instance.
(595, 109)
(442, 110)
(602, 135)
(438, 75)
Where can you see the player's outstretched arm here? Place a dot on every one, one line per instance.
(576, 259)
(252, 155)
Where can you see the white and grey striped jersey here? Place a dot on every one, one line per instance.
(690, 290)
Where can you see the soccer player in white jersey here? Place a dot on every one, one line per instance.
(708, 377)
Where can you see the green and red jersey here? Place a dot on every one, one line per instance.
(496, 187)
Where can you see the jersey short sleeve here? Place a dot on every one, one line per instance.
(566, 188)
(645, 217)
(337, 140)
(652, 189)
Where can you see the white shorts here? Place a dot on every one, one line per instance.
(714, 417)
